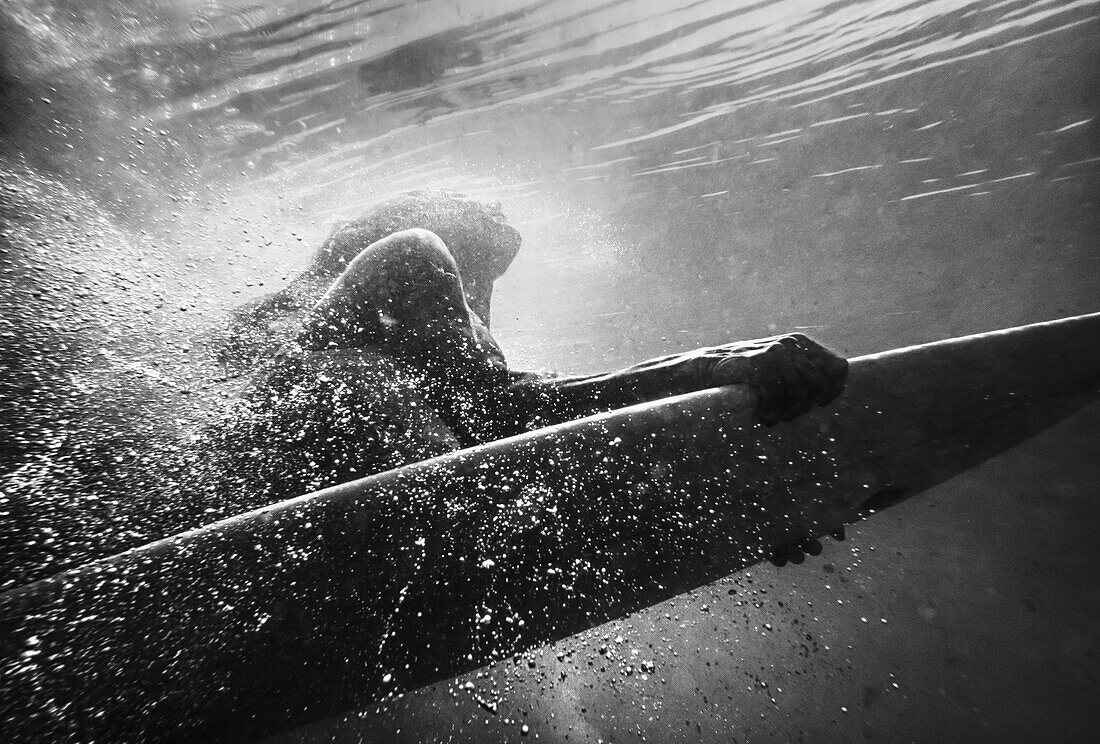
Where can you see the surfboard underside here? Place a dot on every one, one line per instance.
(308, 608)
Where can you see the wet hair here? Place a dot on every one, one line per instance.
(479, 237)
(476, 233)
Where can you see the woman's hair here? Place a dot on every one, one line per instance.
(476, 233)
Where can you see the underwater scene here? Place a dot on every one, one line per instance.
(571, 285)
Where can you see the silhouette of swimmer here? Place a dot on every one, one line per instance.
(395, 363)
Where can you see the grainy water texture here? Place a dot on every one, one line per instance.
(683, 173)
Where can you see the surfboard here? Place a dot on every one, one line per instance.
(329, 601)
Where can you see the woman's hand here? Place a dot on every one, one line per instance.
(791, 373)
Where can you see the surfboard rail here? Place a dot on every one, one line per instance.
(312, 606)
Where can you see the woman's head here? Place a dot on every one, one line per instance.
(477, 234)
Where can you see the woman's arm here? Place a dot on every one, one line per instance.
(791, 374)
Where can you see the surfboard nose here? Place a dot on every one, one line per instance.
(919, 415)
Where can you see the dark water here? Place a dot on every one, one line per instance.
(684, 173)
